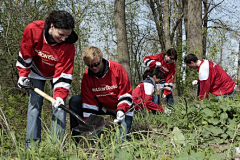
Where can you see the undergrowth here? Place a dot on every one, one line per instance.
(206, 130)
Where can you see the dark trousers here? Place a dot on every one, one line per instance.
(75, 104)
(170, 101)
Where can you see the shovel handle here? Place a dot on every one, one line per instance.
(44, 95)
(51, 99)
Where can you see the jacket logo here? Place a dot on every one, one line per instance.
(107, 87)
(46, 56)
(165, 69)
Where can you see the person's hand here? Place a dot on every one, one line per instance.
(120, 116)
(167, 111)
(58, 102)
(195, 82)
(23, 82)
(164, 96)
(158, 64)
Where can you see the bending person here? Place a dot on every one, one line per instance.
(166, 63)
(212, 78)
(47, 53)
(105, 90)
(144, 92)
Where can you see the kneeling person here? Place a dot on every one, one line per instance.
(144, 92)
(105, 90)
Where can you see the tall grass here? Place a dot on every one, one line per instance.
(182, 135)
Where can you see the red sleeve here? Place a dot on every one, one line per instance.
(88, 100)
(204, 88)
(63, 71)
(151, 105)
(150, 61)
(28, 42)
(125, 90)
(169, 81)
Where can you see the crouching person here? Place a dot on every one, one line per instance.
(144, 92)
(105, 90)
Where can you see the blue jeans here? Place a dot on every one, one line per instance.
(217, 97)
(75, 104)
(170, 101)
(227, 95)
(58, 123)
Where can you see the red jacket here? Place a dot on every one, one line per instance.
(112, 91)
(213, 79)
(168, 70)
(143, 95)
(40, 60)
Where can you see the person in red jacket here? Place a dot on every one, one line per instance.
(105, 90)
(144, 92)
(212, 78)
(166, 63)
(47, 53)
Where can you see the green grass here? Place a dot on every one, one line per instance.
(209, 130)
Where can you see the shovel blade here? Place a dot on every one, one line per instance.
(95, 123)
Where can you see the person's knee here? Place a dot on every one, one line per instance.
(170, 100)
(75, 102)
(128, 121)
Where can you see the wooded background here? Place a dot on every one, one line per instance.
(126, 31)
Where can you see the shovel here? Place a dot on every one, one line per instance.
(92, 124)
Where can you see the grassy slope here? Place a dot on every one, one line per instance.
(207, 130)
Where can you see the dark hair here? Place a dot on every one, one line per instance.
(172, 52)
(190, 57)
(157, 72)
(60, 19)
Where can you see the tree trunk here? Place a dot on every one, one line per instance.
(205, 21)
(185, 15)
(158, 21)
(195, 27)
(122, 45)
(238, 69)
(179, 42)
(166, 20)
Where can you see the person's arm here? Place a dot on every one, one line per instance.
(137, 98)
(125, 90)
(148, 92)
(24, 61)
(63, 72)
(89, 103)
(152, 61)
(205, 70)
(204, 88)
(168, 85)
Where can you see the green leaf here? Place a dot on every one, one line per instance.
(123, 154)
(230, 133)
(216, 157)
(178, 136)
(214, 121)
(215, 130)
(225, 106)
(207, 112)
(232, 124)
(223, 116)
(182, 156)
(198, 155)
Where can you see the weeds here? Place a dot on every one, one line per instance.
(206, 131)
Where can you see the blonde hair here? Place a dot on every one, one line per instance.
(91, 53)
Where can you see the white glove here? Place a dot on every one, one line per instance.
(120, 116)
(195, 82)
(164, 96)
(23, 82)
(58, 102)
(167, 111)
(158, 64)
